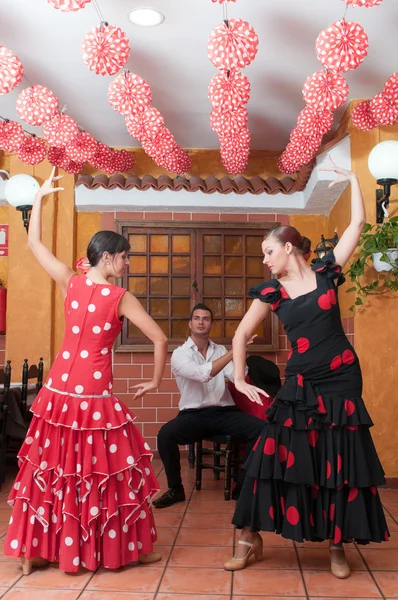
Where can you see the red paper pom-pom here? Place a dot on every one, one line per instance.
(69, 5)
(60, 130)
(383, 110)
(33, 150)
(366, 3)
(57, 156)
(288, 163)
(102, 157)
(82, 147)
(37, 104)
(221, 1)
(176, 161)
(362, 117)
(232, 45)
(314, 122)
(162, 144)
(391, 87)
(73, 167)
(303, 146)
(129, 93)
(342, 46)
(325, 90)
(228, 122)
(229, 90)
(121, 161)
(11, 136)
(145, 124)
(105, 49)
(11, 70)
(236, 142)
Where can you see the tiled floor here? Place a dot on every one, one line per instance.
(195, 538)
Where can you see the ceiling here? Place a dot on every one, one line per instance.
(173, 59)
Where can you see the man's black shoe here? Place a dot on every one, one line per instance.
(169, 498)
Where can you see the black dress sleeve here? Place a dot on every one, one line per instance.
(327, 267)
(268, 291)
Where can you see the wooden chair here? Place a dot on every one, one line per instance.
(232, 461)
(28, 373)
(5, 380)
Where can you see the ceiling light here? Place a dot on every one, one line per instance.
(145, 16)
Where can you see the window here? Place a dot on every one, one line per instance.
(173, 266)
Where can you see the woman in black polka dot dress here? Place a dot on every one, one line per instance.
(314, 471)
(83, 492)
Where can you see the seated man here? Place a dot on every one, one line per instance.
(206, 407)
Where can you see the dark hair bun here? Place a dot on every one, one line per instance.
(305, 245)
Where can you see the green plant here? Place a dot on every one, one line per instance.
(374, 238)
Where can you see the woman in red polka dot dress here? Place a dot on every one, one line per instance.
(313, 473)
(83, 492)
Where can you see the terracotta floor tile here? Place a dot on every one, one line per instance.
(51, 577)
(165, 551)
(388, 583)
(208, 521)
(318, 560)
(2, 556)
(378, 560)
(256, 582)
(178, 507)
(196, 581)
(237, 597)
(276, 558)
(392, 543)
(134, 579)
(391, 524)
(272, 539)
(18, 593)
(212, 507)
(208, 496)
(392, 507)
(166, 536)
(200, 556)
(10, 572)
(167, 519)
(188, 536)
(323, 583)
(190, 597)
(313, 545)
(114, 596)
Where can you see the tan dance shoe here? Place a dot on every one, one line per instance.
(29, 563)
(151, 557)
(256, 548)
(338, 563)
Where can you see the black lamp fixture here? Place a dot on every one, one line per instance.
(20, 191)
(383, 164)
(325, 245)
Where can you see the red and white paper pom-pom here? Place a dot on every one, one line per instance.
(162, 144)
(129, 93)
(288, 163)
(229, 90)
(221, 1)
(69, 5)
(145, 124)
(391, 87)
(11, 70)
(73, 167)
(366, 3)
(11, 136)
(325, 90)
(228, 122)
(82, 147)
(37, 104)
(105, 49)
(57, 156)
(236, 142)
(60, 130)
(33, 150)
(234, 161)
(314, 122)
(303, 146)
(383, 110)
(102, 157)
(121, 161)
(342, 46)
(232, 45)
(176, 161)
(362, 117)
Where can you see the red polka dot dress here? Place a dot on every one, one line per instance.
(82, 495)
(314, 471)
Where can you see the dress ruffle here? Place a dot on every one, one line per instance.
(328, 268)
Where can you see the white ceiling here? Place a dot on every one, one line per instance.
(173, 59)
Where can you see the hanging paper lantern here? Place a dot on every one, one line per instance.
(229, 90)
(37, 104)
(288, 163)
(33, 150)
(391, 87)
(57, 156)
(69, 5)
(362, 117)
(366, 3)
(228, 122)
(303, 146)
(73, 167)
(105, 49)
(122, 161)
(82, 147)
(342, 46)
(129, 93)
(234, 161)
(102, 157)
(176, 161)
(314, 122)
(236, 142)
(325, 90)
(383, 110)
(128, 158)
(146, 123)
(11, 136)
(232, 45)
(11, 70)
(221, 1)
(60, 130)
(162, 144)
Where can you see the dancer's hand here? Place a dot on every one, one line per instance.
(251, 391)
(47, 187)
(143, 388)
(251, 340)
(342, 174)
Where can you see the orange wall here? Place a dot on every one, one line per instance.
(4, 220)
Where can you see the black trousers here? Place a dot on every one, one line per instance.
(192, 425)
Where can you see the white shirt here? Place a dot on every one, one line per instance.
(192, 372)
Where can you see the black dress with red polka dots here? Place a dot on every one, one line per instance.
(314, 471)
